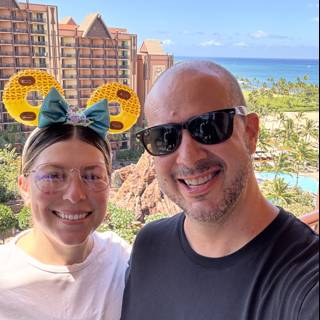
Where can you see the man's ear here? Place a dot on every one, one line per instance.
(252, 130)
(24, 188)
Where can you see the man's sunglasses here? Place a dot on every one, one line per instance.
(208, 128)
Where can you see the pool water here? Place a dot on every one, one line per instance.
(306, 183)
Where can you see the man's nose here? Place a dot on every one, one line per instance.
(75, 191)
(190, 151)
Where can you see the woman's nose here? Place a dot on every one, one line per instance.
(75, 191)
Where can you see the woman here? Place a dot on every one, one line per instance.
(62, 268)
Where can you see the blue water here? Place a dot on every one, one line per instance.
(262, 69)
(306, 183)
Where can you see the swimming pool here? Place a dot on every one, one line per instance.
(306, 183)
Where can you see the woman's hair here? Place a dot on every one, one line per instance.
(40, 139)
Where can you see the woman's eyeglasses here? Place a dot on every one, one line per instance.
(51, 178)
(209, 128)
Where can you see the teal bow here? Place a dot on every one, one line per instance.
(56, 110)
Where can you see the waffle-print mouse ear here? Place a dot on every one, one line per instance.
(17, 89)
(128, 102)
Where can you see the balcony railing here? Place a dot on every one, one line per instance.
(311, 219)
(84, 56)
(5, 41)
(7, 65)
(69, 76)
(20, 30)
(38, 31)
(40, 20)
(6, 53)
(5, 18)
(67, 55)
(67, 44)
(41, 65)
(25, 65)
(39, 54)
(70, 87)
(67, 66)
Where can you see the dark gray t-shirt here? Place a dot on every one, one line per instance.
(273, 277)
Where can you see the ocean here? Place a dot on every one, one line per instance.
(262, 69)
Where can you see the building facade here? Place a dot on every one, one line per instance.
(80, 56)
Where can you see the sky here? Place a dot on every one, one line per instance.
(211, 28)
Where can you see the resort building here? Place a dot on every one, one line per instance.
(80, 56)
(29, 38)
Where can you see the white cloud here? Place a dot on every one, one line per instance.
(259, 34)
(211, 43)
(315, 19)
(240, 44)
(167, 42)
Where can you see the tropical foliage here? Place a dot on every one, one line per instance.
(9, 170)
(7, 220)
(24, 218)
(288, 142)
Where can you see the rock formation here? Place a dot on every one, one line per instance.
(137, 189)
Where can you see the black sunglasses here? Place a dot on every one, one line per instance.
(208, 128)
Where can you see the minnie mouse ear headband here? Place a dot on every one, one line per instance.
(55, 109)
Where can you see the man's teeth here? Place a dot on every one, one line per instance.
(200, 181)
(71, 217)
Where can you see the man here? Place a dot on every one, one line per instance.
(231, 255)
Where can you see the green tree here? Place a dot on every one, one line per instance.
(24, 219)
(7, 220)
(122, 222)
(9, 171)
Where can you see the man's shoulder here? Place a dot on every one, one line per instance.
(297, 230)
(160, 228)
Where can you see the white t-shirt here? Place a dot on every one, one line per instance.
(91, 290)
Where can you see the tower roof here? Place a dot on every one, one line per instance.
(152, 47)
(93, 26)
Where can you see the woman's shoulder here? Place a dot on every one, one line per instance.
(110, 241)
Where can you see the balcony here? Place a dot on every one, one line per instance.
(7, 65)
(69, 66)
(22, 54)
(5, 18)
(40, 65)
(71, 97)
(67, 44)
(68, 55)
(20, 31)
(70, 87)
(98, 57)
(86, 66)
(5, 41)
(81, 56)
(15, 18)
(5, 30)
(6, 53)
(25, 65)
(97, 46)
(38, 31)
(39, 43)
(69, 76)
(39, 54)
(39, 20)
(4, 76)
(98, 67)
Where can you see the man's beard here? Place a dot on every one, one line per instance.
(221, 210)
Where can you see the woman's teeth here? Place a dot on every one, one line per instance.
(71, 217)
